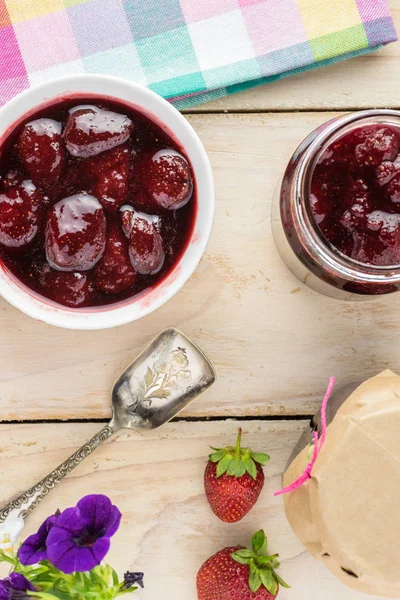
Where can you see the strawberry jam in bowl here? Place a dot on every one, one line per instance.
(336, 222)
(106, 201)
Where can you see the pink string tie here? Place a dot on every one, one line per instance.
(318, 443)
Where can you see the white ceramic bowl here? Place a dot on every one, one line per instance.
(168, 117)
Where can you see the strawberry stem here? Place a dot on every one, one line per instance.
(238, 442)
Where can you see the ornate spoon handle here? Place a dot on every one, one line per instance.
(22, 506)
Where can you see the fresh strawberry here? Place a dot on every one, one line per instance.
(240, 574)
(233, 480)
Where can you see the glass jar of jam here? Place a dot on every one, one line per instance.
(336, 217)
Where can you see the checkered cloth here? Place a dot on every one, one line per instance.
(189, 51)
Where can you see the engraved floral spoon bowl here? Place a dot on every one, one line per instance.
(169, 374)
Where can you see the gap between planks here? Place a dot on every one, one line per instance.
(281, 111)
(208, 419)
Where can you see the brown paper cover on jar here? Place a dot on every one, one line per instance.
(347, 514)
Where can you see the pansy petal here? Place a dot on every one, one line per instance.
(100, 549)
(20, 582)
(113, 522)
(96, 508)
(70, 520)
(32, 550)
(89, 557)
(63, 554)
(57, 534)
(4, 590)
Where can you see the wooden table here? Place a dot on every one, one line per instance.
(273, 342)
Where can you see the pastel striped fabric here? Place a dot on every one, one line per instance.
(189, 51)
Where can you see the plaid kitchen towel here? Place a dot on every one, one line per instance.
(189, 51)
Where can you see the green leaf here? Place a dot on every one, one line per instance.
(276, 564)
(216, 457)
(281, 581)
(241, 560)
(115, 578)
(5, 558)
(260, 457)
(236, 468)
(255, 580)
(224, 464)
(264, 561)
(251, 468)
(259, 542)
(244, 553)
(47, 596)
(268, 581)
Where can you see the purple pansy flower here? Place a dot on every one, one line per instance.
(15, 587)
(80, 538)
(34, 548)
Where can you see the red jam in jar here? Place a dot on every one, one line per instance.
(336, 215)
(97, 201)
(355, 195)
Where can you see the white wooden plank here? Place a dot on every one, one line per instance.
(273, 341)
(168, 529)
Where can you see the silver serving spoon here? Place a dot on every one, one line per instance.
(163, 379)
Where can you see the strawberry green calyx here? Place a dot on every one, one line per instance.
(262, 566)
(236, 461)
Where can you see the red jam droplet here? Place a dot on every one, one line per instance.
(41, 151)
(355, 195)
(164, 181)
(114, 273)
(20, 214)
(145, 243)
(91, 130)
(75, 233)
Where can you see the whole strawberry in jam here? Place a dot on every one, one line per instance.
(164, 181)
(386, 248)
(91, 130)
(356, 206)
(233, 480)
(69, 289)
(236, 573)
(380, 144)
(107, 177)
(146, 250)
(75, 233)
(21, 208)
(41, 151)
(385, 172)
(393, 188)
(114, 272)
